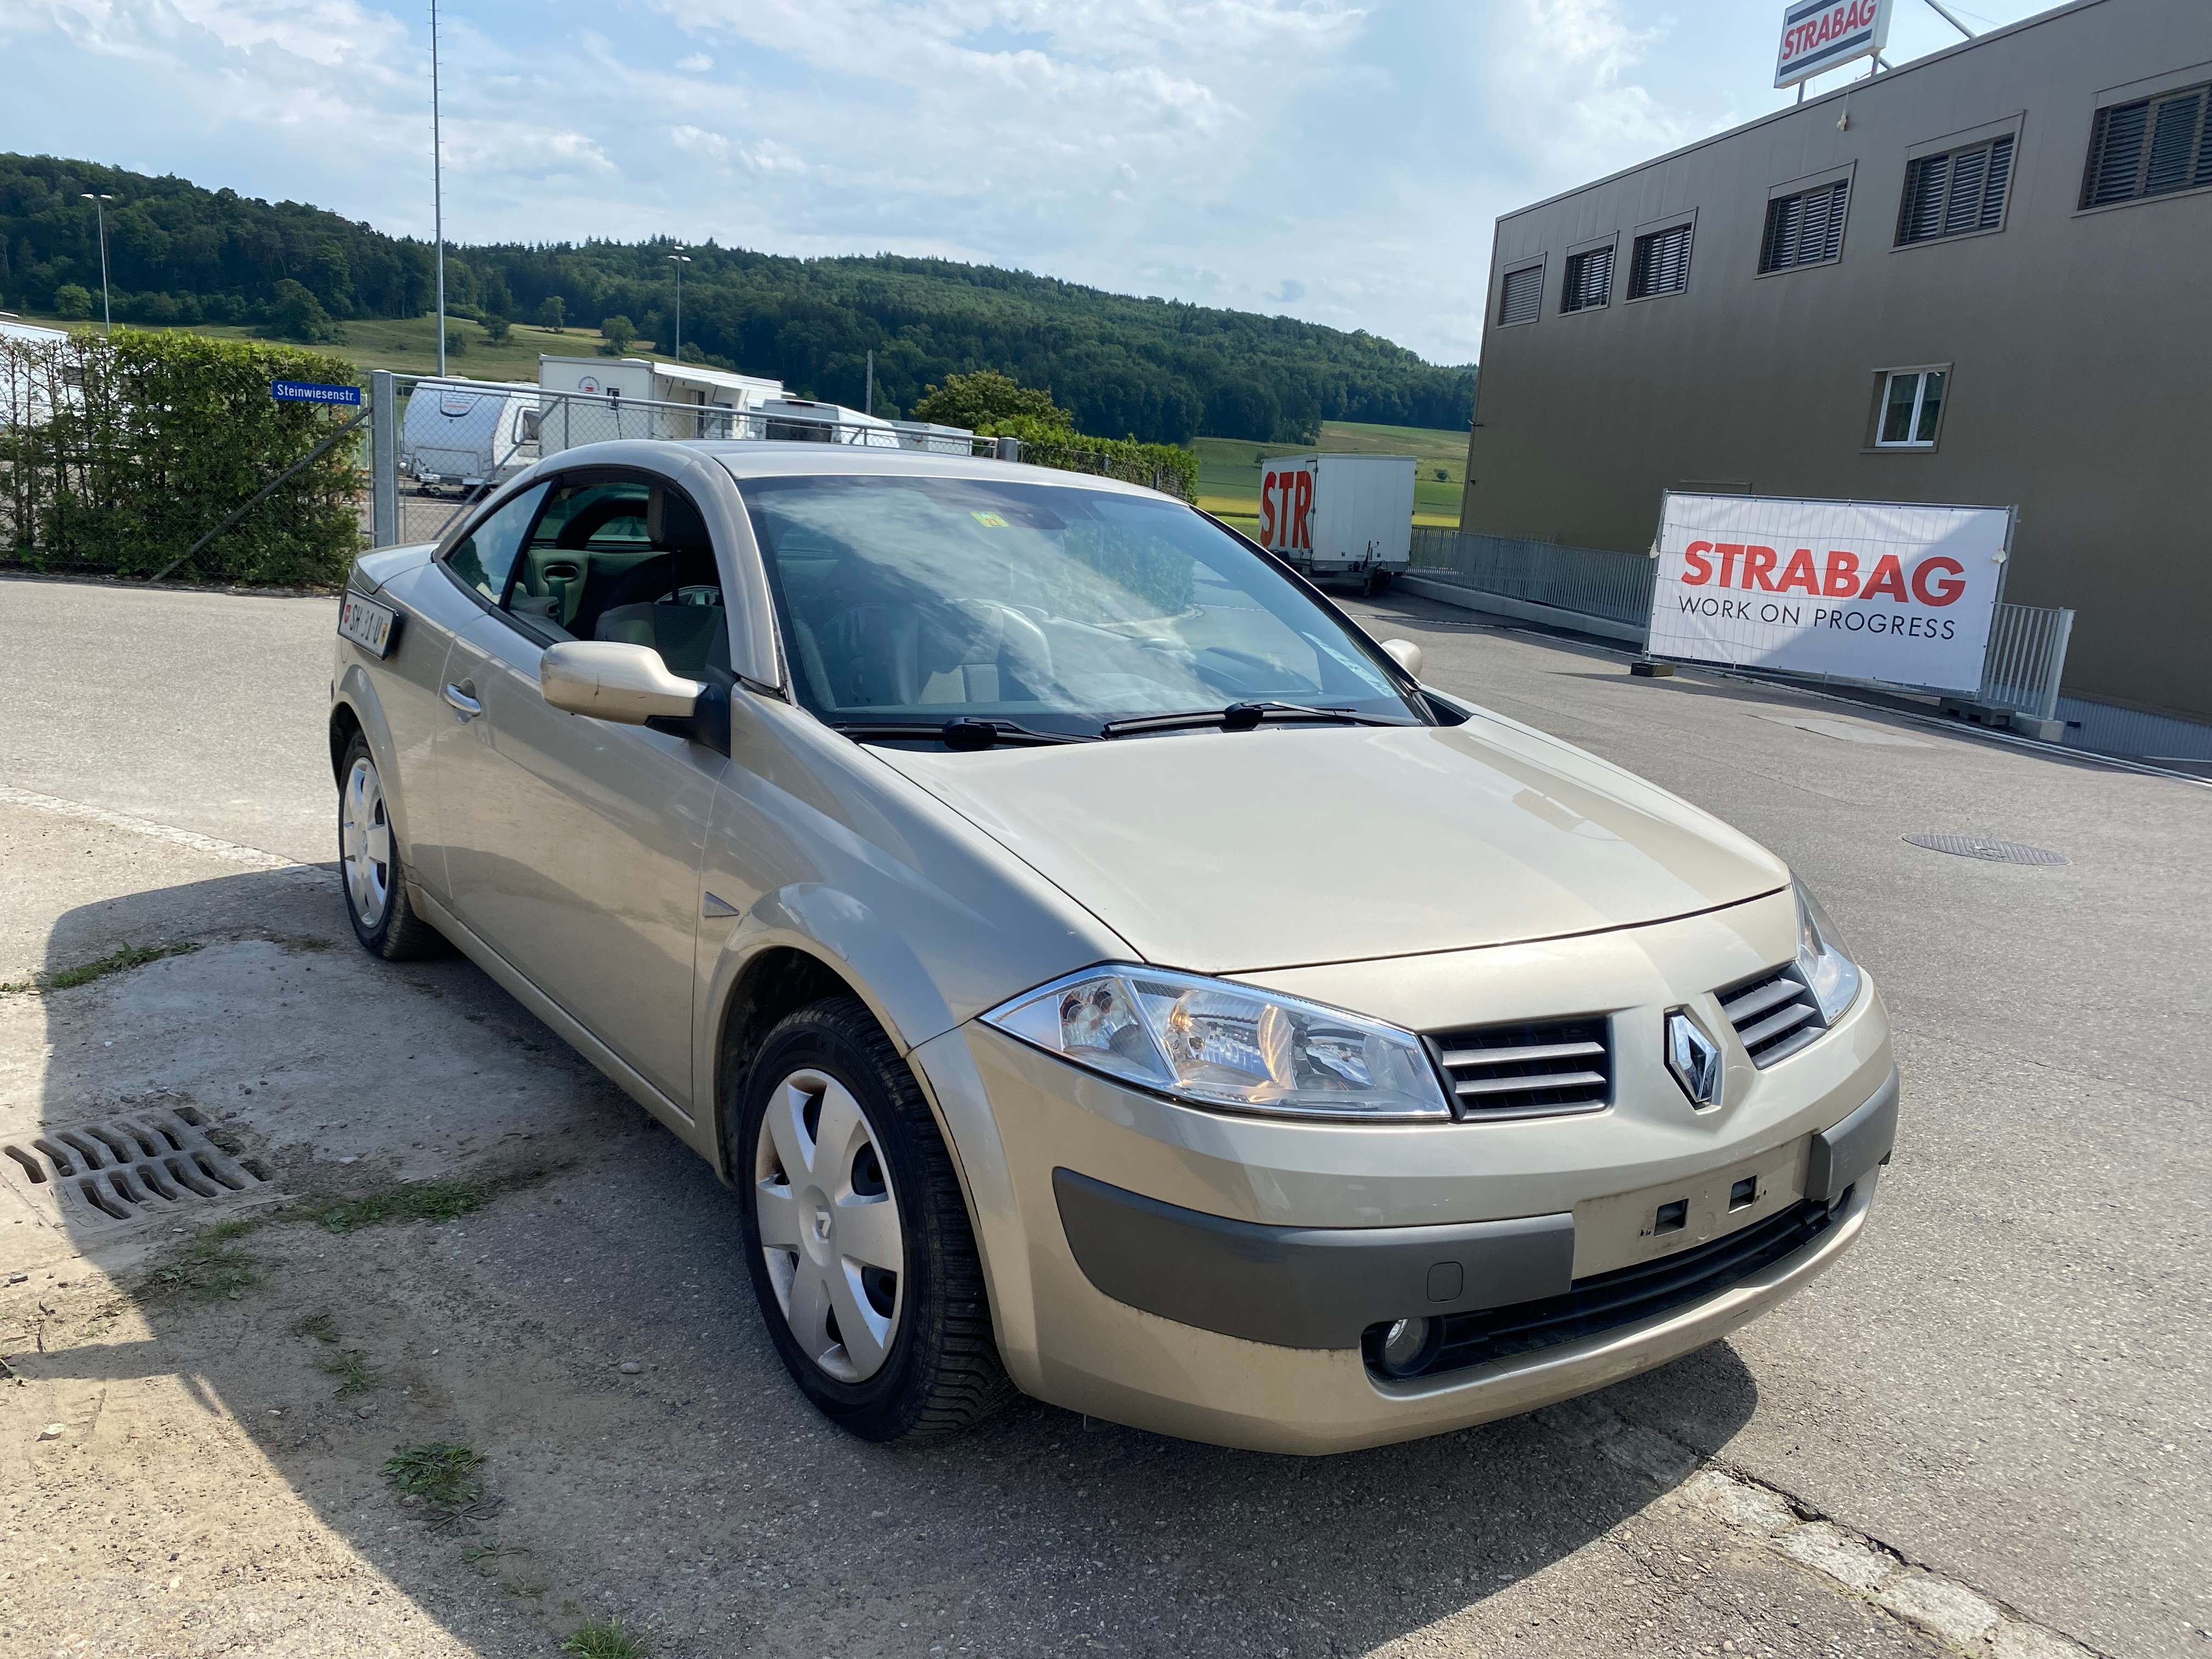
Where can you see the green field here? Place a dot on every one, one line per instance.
(1229, 468)
(409, 345)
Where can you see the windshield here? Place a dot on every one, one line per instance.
(1056, 608)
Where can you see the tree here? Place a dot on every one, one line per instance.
(457, 344)
(295, 314)
(554, 313)
(976, 400)
(497, 328)
(73, 302)
(617, 332)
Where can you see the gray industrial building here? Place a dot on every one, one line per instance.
(1983, 277)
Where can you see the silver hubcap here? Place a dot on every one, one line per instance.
(365, 843)
(829, 1225)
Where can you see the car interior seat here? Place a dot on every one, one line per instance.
(671, 601)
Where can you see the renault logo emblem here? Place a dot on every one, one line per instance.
(1694, 1058)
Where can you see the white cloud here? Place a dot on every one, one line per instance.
(1192, 148)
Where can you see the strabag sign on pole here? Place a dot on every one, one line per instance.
(1887, 591)
(1818, 35)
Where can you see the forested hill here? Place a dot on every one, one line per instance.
(1159, 370)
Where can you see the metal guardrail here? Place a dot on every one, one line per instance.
(2026, 657)
(2022, 670)
(1616, 587)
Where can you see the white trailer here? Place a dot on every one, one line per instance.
(1328, 515)
(808, 420)
(663, 395)
(468, 434)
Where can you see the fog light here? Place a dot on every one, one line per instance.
(1405, 1345)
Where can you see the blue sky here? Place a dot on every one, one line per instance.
(1338, 160)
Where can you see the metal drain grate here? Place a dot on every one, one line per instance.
(1987, 846)
(126, 1168)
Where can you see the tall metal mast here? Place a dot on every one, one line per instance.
(437, 188)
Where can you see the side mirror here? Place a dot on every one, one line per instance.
(608, 680)
(1405, 654)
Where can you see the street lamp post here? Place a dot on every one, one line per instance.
(99, 214)
(437, 189)
(680, 261)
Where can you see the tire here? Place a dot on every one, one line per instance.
(1378, 581)
(370, 869)
(837, 1160)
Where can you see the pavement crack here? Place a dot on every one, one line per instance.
(1853, 1563)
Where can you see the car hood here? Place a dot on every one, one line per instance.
(1221, 852)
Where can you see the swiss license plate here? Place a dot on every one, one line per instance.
(369, 625)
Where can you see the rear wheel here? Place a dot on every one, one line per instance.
(856, 1235)
(369, 867)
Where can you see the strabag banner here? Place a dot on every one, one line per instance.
(1861, 590)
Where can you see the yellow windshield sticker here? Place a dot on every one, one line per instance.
(988, 521)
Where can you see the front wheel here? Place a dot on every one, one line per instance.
(856, 1235)
(383, 916)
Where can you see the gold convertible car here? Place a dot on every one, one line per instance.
(1100, 970)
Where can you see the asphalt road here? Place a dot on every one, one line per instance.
(2005, 1384)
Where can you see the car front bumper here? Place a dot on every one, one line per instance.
(1210, 1276)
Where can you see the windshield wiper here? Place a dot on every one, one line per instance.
(966, 732)
(1240, 717)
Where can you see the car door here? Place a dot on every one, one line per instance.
(450, 593)
(574, 845)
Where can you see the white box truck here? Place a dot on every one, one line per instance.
(1327, 514)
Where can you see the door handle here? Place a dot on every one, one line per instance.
(460, 700)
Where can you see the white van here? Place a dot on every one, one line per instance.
(468, 434)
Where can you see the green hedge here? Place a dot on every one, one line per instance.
(1165, 467)
(116, 455)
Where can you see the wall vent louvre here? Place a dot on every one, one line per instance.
(1590, 280)
(1522, 296)
(1955, 193)
(1661, 263)
(2152, 147)
(1805, 229)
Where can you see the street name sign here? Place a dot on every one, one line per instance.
(315, 392)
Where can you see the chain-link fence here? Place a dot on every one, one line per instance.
(449, 443)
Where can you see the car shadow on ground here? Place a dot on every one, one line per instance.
(585, 1324)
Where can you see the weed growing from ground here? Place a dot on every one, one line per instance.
(211, 1269)
(444, 1475)
(605, 1639)
(349, 1369)
(414, 1200)
(68, 979)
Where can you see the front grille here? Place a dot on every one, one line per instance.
(1606, 1301)
(1774, 1014)
(1555, 1066)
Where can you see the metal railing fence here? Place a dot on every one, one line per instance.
(1616, 587)
(420, 488)
(2026, 657)
(2022, 671)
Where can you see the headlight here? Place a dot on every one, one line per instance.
(1228, 1046)
(1831, 976)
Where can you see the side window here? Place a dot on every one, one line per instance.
(624, 558)
(485, 557)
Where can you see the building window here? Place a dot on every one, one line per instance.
(2152, 147)
(1661, 263)
(1804, 229)
(1590, 279)
(1912, 409)
(1522, 296)
(1957, 192)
